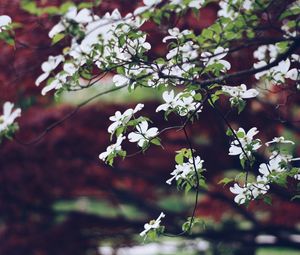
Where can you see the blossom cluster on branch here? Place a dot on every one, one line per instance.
(193, 75)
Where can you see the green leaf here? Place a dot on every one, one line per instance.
(52, 10)
(179, 159)
(229, 132)
(290, 12)
(240, 176)
(240, 134)
(85, 5)
(30, 6)
(207, 33)
(243, 162)
(187, 188)
(121, 70)
(241, 104)
(122, 154)
(65, 7)
(152, 235)
(203, 184)
(57, 38)
(7, 38)
(281, 180)
(156, 141)
(225, 181)
(97, 2)
(268, 200)
(198, 97)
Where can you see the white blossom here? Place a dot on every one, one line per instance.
(292, 74)
(175, 2)
(120, 80)
(226, 11)
(251, 190)
(147, 6)
(196, 4)
(182, 103)
(288, 32)
(143, 134)
(182, 171)
(133, 46)
(245, 143)
(273, 166)
(188, 51)
(153, 224)
(242, 193)
(278, 73)
(56, 29)
(261, 186)
(258, 65)
(4, 22)
(280, 139)
(82, 17)
(216, 57)
(120, 119)
(278, 163)
(170, 99)
(247, 4)
(188, 104)
(175, 33)
(48, 66)
(239, 92)
(113, 148)
(283, 157)
(295, 58)
(9, 115)
(56, 83)
(70, 68)
(261, 52)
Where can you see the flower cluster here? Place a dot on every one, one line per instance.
(194, 64)
(72, 18)
(49, 66)
(238, 93)
(275, 171)
(153, 226)
(244, 145)
(280, 159)
(148, 6)
(216, 58)
(122, 119)
(250, 191)
(266, 51)
(7, 119)
(184, 53)
(227, 9)
(183, 103)
(186, 171)
(142, 134)
(176, 34)
(278, 73)
(107, 41)
(113, 150)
